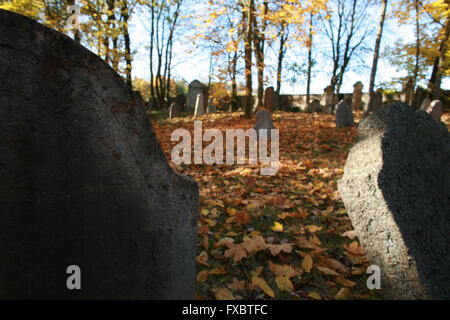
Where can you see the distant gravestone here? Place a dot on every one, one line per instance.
(174, 110)
(408, 91)
(211, 106)
(181, 100)
(83, 180)
(357, 103)
(269, 94)
(378, 99)
(328, 94)
(419, 97)
(436, 109)
(195, 87)
(199, 105)
(344, 115)
(315, 105)
(396, 188)
(425, 104)
(263, 121)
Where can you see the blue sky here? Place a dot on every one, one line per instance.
(195, 65)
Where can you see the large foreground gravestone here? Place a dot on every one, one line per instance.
(83, 179)
(396, 188)
(436, 109)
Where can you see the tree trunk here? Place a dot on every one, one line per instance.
(126, 37)
(368, 107)
(248, 60)
(308, 80)
(281, 51)
(436, 76)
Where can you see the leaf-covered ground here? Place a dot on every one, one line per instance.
(285, 236)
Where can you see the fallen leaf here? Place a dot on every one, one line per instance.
(237, 252)
(275, 249)
(313, 228)
(202, 276)
(284, 284)
(204, 212)
(283, 270)
(343, 294)
(350, 234)
(261, 283)
(277, 227)
(236, 285)
(315, 296)
(224, 294)
(203, 258)
(256, 243)
(307, 263)
(243, 218)
(354, 248)
(206, 242)
(327, 271)
(218, 271)
(231, 212)
(344, 282)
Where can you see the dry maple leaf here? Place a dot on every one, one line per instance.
(237, 252)
(237, 285)
(275, 249)
(256, 243)
(284, 284)
(203, 258)
(283, 270)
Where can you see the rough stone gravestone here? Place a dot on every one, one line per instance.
(436, 109)
(425, 104)
(181, 100)
(408, 91)
(195, 87)
(174, 110)
(83, 179)
(199, 105)
(328, 94)
(263, 121)
(269, 94)
(315, 105)
(344, 115)
(357, 96)
(419, 96)
(211, 106)
(378, 99)
(396, 188)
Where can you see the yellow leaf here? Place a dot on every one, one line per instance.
(277, 227)
(313, 228)
(218, 271)
(344, 282)
(202, 276)
(231, 211)
(203, 258)
(343, 294)
(284, 284)
(315, 295)
(328, 272)
(204, 212)
(307, 263)
(283, 270)
(224, 294)
(342, 211)
(261, 283)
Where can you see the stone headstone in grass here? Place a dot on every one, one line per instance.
(315, 105)
(263, 121)
(181, 100)
(83, 179)
(211, 106)
(328, 97)
(436, 109)
(425, 104)
(199, 105)
(357, 103)
(174, 110)
(195, 87)
(396, 188)
(344, 115)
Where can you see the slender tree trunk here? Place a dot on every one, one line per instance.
(308, 80)
(233, 81)
(248, 59)
(281, 52)
(416, 68)
(369, 106)
(442, 52)
(259, 43)
(126, 37)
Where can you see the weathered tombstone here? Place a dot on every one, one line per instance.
(174, 110)
(408, 91)
(396, 188)
(199, 105)
(211, 106)
(195, 87)
(181, 100)
(328, 95)
(83, 179)
(419, 97)
(315, 105)
(263, 121)
(357, 103)
(436, 109)
(378, 99)
(269, 94)
(425, 104)
(344, 115)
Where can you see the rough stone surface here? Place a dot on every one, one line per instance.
(199, 105)
(357, 103)
(436, 109)
(83, 179)
(263, 121)
(396, 188)
(344, 115)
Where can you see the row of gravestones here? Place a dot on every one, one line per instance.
(84, 183)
